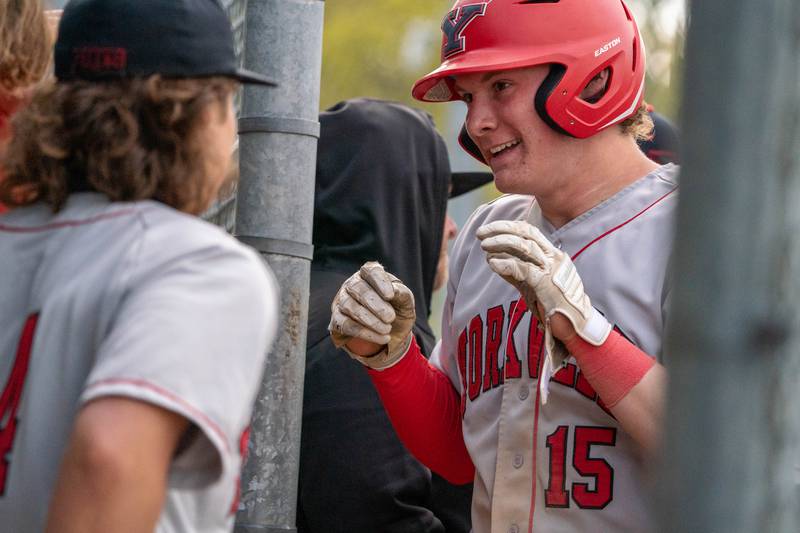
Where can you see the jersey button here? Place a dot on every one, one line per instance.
(518, 461)
(513, 529)
(523, 392)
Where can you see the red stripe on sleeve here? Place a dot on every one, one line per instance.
(425, 410)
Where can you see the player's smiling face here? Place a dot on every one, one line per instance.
(502, 121)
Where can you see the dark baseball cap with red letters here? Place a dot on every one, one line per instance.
(117, 39)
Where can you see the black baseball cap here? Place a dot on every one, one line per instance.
(464, 182)
(116, 39)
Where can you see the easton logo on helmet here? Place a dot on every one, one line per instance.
(606, 47)
(455, 23)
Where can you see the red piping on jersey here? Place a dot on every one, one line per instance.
(612, 230)
(169, 395)
(65, 223)
(660, 153)
(535, 445)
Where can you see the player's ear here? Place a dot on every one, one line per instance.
(596, 88)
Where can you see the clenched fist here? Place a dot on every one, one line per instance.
(374, 306)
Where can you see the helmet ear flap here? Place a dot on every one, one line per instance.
(545, 90)
(540, 103)
(469, 145)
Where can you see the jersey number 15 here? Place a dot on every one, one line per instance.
(556, 494)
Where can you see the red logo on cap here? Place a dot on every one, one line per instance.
(100, 59)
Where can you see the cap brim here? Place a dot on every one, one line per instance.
(464, 182)
(250, 77)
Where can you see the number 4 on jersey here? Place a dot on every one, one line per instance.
(12, 392)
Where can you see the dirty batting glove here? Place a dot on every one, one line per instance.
(375, 306)
(520, 254)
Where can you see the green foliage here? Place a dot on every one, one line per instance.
(379, 48)
(663, 28)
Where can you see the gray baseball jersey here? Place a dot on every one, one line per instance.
(565, 466)
(134, 300)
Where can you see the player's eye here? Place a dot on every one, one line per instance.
(500, 86)
(465, 97)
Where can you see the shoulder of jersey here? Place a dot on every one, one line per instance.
(171, 237)
(669, 173)
(168, 233)
(505, 207)
(164, 222)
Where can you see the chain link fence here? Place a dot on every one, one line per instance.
(223, 211)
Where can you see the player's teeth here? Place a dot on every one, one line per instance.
(498, 149)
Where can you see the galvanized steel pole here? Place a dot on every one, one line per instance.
(733, 349)
(278, 131)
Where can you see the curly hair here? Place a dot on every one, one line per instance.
(25, 43)
(639, 125)
(129, 139)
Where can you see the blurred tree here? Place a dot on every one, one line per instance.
(379, 49)
(663, 25)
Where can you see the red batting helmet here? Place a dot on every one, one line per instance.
(579, 38)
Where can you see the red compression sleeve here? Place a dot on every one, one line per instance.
(425, 410)
(613, 368)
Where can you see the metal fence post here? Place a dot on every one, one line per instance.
(278, 131)
(733, 349)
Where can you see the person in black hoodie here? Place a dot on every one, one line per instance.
(382, 184)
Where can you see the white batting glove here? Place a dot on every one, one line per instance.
(375, 306)
(521, 255)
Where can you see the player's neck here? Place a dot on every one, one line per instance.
(596, 175)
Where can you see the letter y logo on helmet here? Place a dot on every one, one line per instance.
(454, 24)
(577, 39)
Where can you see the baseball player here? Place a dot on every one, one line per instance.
(129, 329)
(545, 386)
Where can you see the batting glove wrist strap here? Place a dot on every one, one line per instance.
(565, 295)
(383, 359)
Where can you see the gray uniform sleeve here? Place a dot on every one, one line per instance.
(190, 335)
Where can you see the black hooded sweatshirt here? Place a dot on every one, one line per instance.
(381, 195)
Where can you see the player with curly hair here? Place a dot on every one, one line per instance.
(131, 331)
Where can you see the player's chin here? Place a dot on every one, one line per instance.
(508, 181)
